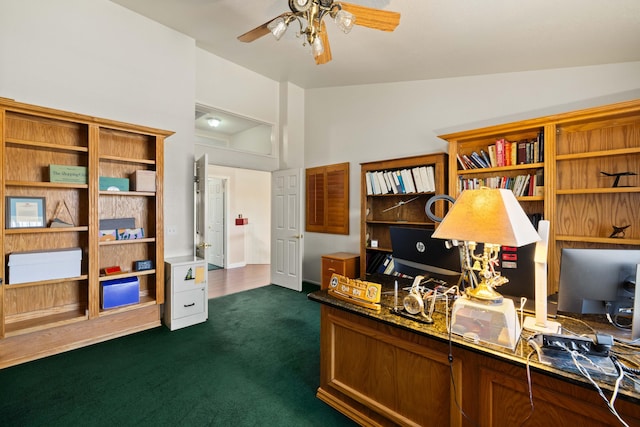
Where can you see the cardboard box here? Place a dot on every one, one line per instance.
(120, 292)
(107, 183)
(68, 174)
(143, 180)
(35, 266)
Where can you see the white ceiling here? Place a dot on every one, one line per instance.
(435, 38)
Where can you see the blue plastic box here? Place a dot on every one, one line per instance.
(119, 292)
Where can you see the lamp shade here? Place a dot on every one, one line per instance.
(487, 216)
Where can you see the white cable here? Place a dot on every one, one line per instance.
(583, 371)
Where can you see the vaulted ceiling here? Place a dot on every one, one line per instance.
(435, 38)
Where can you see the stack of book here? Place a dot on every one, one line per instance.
(505, 153)
(420, 179)
(521, 185)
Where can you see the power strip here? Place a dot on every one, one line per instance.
(598, 346)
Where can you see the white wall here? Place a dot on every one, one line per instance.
(249, 195)
(97, 58)
(385, 121)
(228, 87)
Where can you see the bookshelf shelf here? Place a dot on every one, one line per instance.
(402, 208)
(578, 199)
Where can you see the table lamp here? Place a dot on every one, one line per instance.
(495, 218)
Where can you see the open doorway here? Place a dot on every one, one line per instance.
(239, 219)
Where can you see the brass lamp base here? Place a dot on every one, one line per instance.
(485, 293)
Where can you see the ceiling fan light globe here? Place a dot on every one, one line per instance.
(277, 27)
(344, 20)
(317, 47)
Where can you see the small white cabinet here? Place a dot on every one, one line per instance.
(186, 296)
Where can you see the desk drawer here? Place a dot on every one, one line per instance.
(189, 303)
(184, 277)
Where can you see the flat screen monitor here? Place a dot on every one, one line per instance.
(415, 253)
(597, 281)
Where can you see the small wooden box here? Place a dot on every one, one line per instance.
(342, 263)
(143, 180)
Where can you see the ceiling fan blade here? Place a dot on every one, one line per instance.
(373, 18)
(325, 56)
(259, 31)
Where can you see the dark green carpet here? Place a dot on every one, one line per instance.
(213, 266)
(255, 362)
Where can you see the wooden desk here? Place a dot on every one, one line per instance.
(382, 369)
(342, 263)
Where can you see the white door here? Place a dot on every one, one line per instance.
(216, 221)
(286, 228)
(200, 198)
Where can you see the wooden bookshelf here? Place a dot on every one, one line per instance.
(41, 318)
(381, 210)
(577, 199)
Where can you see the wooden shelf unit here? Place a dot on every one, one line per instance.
(58, 315)
(578, 199)
(376, 219)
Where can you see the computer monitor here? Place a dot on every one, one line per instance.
(597, 281)
(415, 253)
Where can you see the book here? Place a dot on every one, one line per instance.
(522, 153)
(463, 165)
(374, 183)
(492, 155)
(383, 265)
(469, 163)
(485, 157)
(431, 179)
(381, 183)
(500, 152)
(475, 157)
(392, 182)
(390, 266)
(540, 146)
(367, 178)
(401, 186)
(417, 178)
(538, 189)
(409, 186)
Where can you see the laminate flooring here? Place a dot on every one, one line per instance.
(229, 281)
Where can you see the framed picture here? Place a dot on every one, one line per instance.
(25, 212)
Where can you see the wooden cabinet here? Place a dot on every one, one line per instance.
(577, 198)
(48, 316)
(343, 263)
(406, 207)
(380, 374)
(187, 302)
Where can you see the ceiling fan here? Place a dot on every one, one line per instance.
(310, 16)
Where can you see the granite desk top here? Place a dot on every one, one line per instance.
(438, 330)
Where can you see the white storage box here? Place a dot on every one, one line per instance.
(44, 265)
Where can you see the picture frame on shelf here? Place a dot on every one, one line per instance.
(25, 212)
